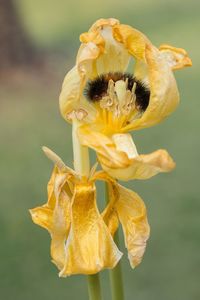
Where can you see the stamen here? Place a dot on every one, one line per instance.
(103, 86)
(119, 100)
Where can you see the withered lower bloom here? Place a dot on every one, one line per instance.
(82, 238)
(109, 102)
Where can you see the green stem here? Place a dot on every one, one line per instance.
(116, 280)
(115, 274)
(94, 288)
(82, 167)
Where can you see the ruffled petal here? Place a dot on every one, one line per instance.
(112, 55)
(177, 58)
(133, 40)
(90, 247)
(132, 214)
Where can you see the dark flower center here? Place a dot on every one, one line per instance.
(96, 89)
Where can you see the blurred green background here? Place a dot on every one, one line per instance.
(30, 118)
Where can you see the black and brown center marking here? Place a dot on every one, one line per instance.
(96, 89)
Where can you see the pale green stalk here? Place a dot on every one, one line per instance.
(94, 288)
(115, 274)
(81, 154)
(82, 167)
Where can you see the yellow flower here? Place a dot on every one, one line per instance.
(82, 238)
(109, 102)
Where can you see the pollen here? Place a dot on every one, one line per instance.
(98, 88)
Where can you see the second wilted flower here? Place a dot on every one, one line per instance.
(82, 238)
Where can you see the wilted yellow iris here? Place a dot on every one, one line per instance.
(119, 103)
(104, 103)
(82, 238)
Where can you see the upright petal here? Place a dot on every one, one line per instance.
(164, 96)
(99, 53)
(112, 55)
(90, 247)
(154, 68)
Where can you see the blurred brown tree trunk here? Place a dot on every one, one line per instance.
(15, 46)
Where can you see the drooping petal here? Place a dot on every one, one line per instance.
(103, 145)
(119, 158)
(132, 214)
(140, 166)
(61, 222)
(50, 189)
(127, 207)
(55, 215)
(42, 216)
(90, 247)
(109, 214)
